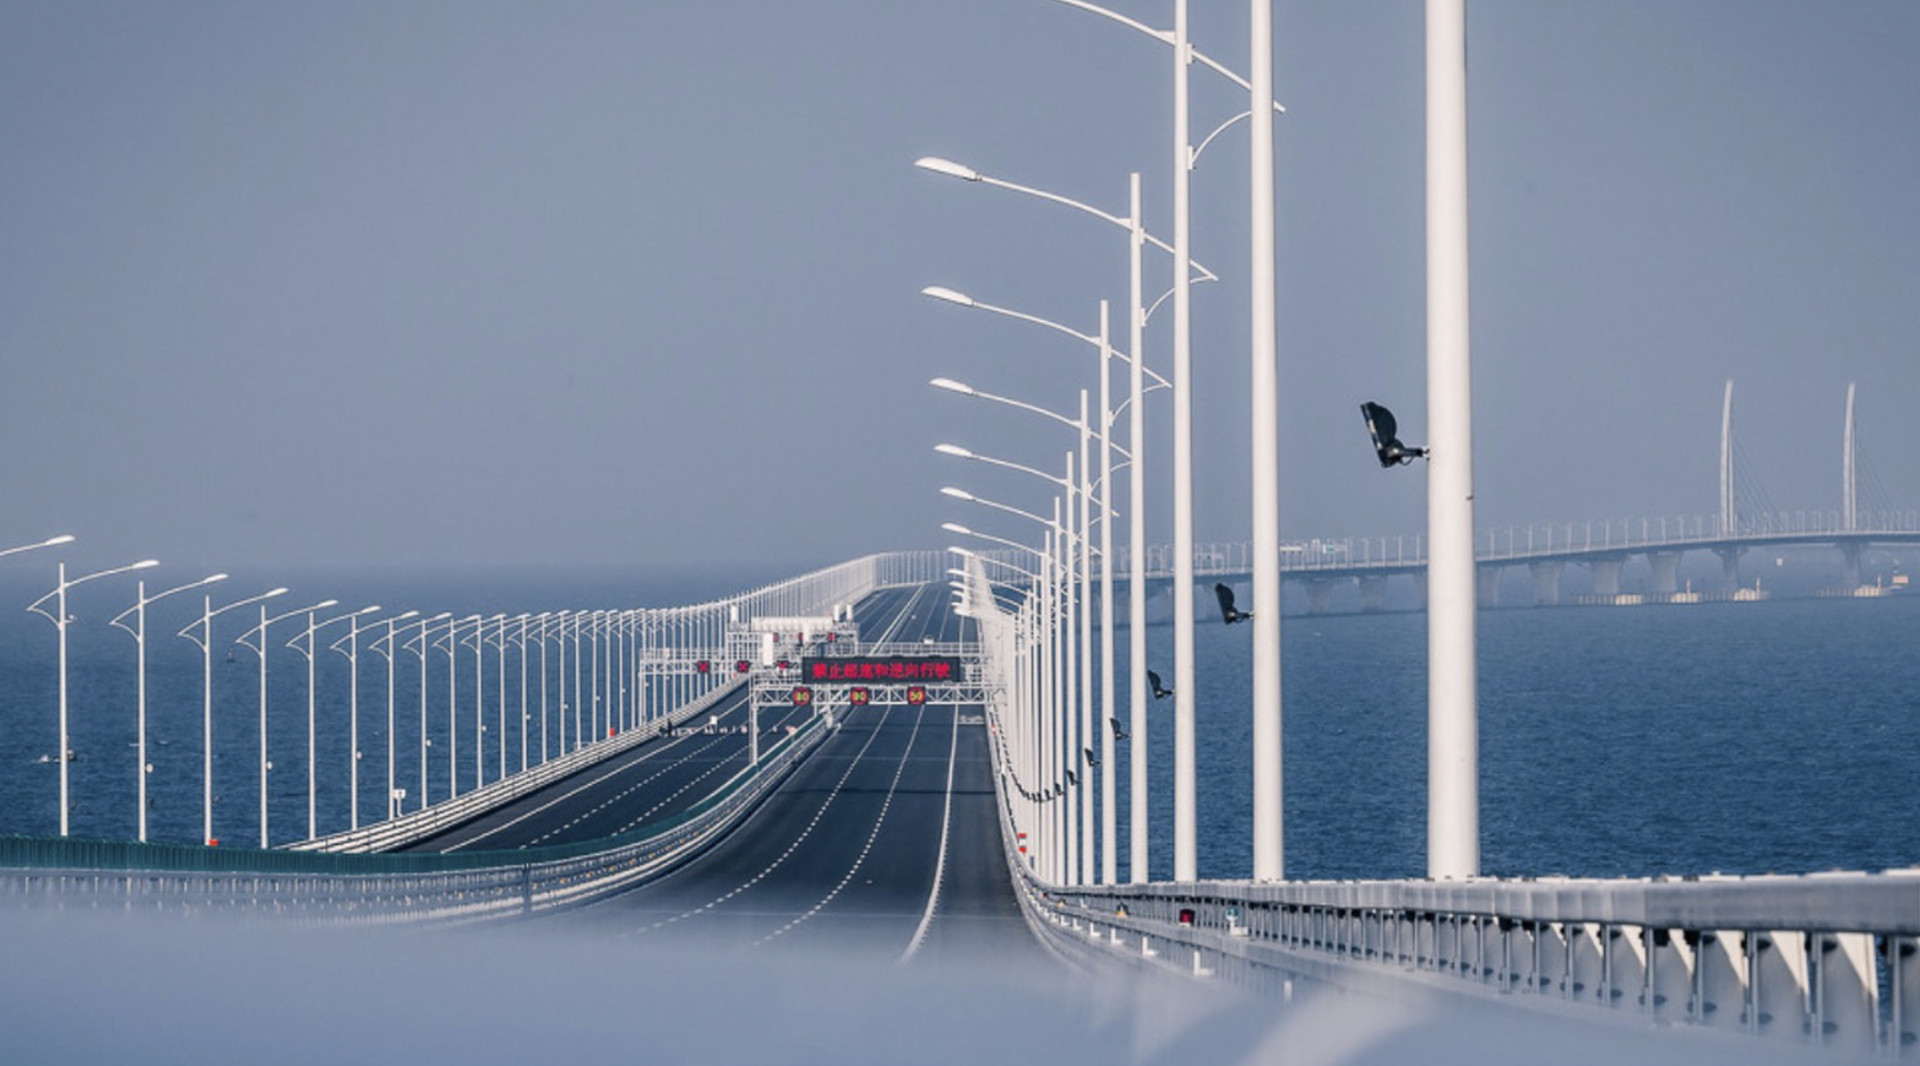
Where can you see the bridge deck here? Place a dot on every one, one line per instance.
(883, 842)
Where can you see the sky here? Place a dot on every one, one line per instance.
(622, 284)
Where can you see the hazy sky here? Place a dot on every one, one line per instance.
(637, 283)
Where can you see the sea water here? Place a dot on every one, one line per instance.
(1744, 738)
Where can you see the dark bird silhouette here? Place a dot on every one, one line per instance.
(1382, 427)
(1160, 692)
(1072, 779)
(1119, 733)
(1228, 613)
(1092, 760)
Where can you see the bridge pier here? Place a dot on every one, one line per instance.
(1488, 585)
(1546, 582)
(1373, 593)
(1606, 575)
(1850, 563)
(1666, 571)
(1730, 565)
(1319, 595)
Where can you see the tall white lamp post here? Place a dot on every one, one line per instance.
(59, 617)
(259, 632)
(138, 630)
(351, 650)
(204, 641)
(309, 635)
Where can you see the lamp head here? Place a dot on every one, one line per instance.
(958, 494)
(211, 578)
(954, 450)
(965, 553)
(947, 167)
(955, 527)
(145, 564)
(952, 386)
(324, 604)
(941, 292)
(50, 542)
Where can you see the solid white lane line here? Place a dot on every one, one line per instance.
(940, 865)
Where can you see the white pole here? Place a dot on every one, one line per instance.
(453, 709)
(423, 714)
(1269, 853)
(1083, 791)
(393, 652)
(61, 753)
(353, 723)
(313, 818)
(1109, 804)
(140, 646)
(1453, 805)
(1185, 862)
(263, 728)
(1136, 549)
(523, 693)
(206, 704)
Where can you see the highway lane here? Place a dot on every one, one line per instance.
(885, 842)
(661, 777)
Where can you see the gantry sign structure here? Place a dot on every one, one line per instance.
(821, 663)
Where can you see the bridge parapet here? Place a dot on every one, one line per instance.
(1827, 959)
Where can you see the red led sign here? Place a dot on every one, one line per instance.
(880, 669)
(802, 695)
(858, 696)
(702, 667)
(916, 694)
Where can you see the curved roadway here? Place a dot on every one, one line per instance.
(884, 841)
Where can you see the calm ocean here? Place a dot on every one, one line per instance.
(1779, 736)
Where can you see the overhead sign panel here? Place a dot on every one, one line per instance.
(880, 669)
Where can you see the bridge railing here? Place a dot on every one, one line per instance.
(1519, 543)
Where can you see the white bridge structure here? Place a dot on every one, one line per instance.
(1745, 521)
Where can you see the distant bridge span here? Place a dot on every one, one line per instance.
(1605, 546)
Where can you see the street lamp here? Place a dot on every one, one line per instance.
(1268, 860)
(452, 647)
(418, 645)
(1137, 527)
(59, 596)
(204, 640)
(352, 652)
(387, 653)
(139, 632)
(309, 634)
(1074, 652)
(260, 649)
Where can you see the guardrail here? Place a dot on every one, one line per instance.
(419, 825)
(1830, 960)
(372, 889)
